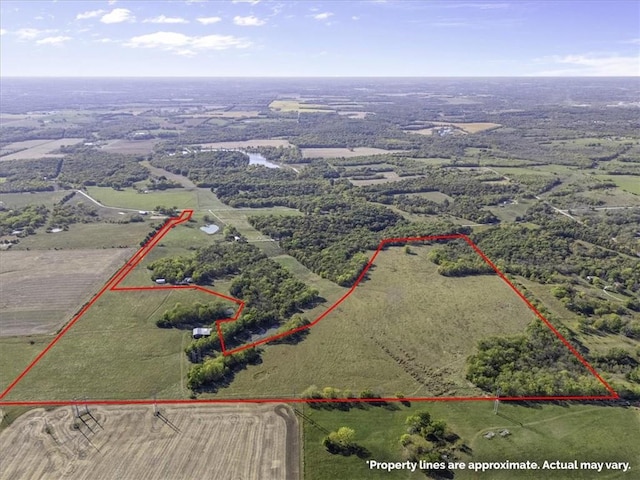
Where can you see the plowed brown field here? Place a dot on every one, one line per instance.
(42, 289)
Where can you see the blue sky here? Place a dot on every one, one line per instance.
(319, 38)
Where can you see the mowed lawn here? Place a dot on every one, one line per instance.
(407, 329)
(116, 351)
(586, 433)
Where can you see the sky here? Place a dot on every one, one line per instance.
(281, 38)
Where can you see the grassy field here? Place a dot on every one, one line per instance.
(400, 331)
(89, 236)
(267, 142)
(130, 198)
(433, 196)
(116, 351)
(585, 433)
(629, 183)
(342, 152)
(18, 200)
(16, 353)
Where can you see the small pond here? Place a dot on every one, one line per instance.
(210, 229)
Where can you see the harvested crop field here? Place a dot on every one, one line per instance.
(42, 289)
(32, 149)
(343, 152)
(131, 146)
(183, 442)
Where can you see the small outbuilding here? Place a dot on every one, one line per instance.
(201, 332)
(160, 281)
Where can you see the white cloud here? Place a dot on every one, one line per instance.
(165, 19)
(31, 33)
(208, 20)
(55, 41)
(112, 2)
(252, 2)
(118, 15)
(594, 65)
(89, 14)
(323, 16)
(355, 18)
(249, 21)
(185, 45)
(2, 31)
(633, 41)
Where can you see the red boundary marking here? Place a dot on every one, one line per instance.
(120, 275)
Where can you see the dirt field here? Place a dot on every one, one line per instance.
(41, 289)
(129, 442)
(342, 152)
(273, 142)
(35, 148)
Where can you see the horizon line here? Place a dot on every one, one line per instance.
(2, 77)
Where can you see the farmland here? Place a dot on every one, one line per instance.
(29, 149)
(130, 198)
(130, 146)
(251, 442)
(40, 290)
(342, 152)
(390, 316)
(268, 142)
(83, 361)
(548, 190)
(537, 433)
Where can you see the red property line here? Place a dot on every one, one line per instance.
(113, 283)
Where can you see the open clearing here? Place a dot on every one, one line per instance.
(33, 149)
(538, 433)
(270, 142)
(130, 198)
(343, 152)
(88, 236)
(465, 127)
(250, 442)
(19, 200)
(291, 105)
(131, 146)
(406, 329)
(388, 177)
(42, 289)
